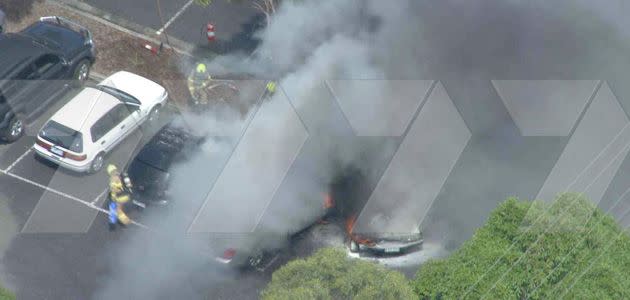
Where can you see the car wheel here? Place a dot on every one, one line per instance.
(97, 163)
(154, 115)
(81, 73)
(15, 129)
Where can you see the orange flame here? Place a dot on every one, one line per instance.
(328, 201)
(350, 226)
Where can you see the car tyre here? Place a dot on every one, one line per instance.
(15, 129)
(97, 163)
(81, 73)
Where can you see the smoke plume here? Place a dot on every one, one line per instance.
(308, 44)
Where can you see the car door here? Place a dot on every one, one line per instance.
(19, 88)
(48, 71)
(126, 119)
(103, 132)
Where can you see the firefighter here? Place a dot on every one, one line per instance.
(117, 195)
(271, 88)
(198, 80)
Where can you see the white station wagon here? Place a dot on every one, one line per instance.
(82, 132)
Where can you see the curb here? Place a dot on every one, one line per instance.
(123, 25)
(97, 76)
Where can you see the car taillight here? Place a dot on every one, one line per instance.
(69, 155)
(43, 144)
(229, 253)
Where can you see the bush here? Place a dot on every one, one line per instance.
(15, 10)
(330, 274)
(6, 294)
(533, 250)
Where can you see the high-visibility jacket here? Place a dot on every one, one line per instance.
(198, 80)
(119, 197)
(271, 87)
(116, 190)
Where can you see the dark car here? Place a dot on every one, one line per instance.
(37, 65)
(2, 16)
(149, 169)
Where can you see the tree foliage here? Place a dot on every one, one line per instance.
(203, 2)
(534, 250)
(330, 274)
(6, 294)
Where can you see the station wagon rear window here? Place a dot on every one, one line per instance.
(62, 136)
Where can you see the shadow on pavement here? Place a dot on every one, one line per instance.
(243, 42)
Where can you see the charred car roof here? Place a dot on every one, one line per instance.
(168, 142)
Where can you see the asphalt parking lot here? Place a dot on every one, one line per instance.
(65, 192)
(235, 21)
(60, 247)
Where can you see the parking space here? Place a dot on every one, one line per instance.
(70, 201)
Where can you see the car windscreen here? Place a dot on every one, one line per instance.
(62, 136)
(120, 95)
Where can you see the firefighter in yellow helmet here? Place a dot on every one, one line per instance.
(118, 194)
(270, 88)
(198, 80)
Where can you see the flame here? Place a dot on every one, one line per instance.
(355, 237)
(350, 224)
(328, 201)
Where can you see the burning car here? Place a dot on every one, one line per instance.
(347, 195)
(382, 244)
(374, 238)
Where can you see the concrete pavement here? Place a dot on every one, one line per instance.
(235, 22)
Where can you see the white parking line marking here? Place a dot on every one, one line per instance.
(19, 159)
(88, 204)
(179, 12)
(98, 197)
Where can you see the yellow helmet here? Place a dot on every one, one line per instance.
(201, 68)
(271, 86)
(111, 169)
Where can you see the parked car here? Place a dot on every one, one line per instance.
(2, 16)
(95, 121)
(149, 169)
(36, 66)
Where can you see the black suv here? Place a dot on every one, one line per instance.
(36, 66)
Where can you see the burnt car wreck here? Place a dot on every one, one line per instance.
(335, 201)
(373, 240)
(383, 244)
(149, 169)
